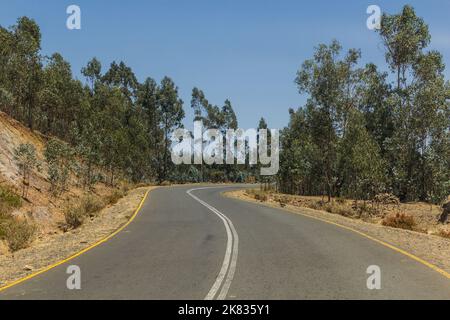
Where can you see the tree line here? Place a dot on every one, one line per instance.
(109, 126)
(363, 131)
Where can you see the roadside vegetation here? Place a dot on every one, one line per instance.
(89, 206)
(16, 232)
(385, 209)
(363, 131)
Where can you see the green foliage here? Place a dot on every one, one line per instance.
(25, 158)
(9, 199)
(359, 135)
(59, 157)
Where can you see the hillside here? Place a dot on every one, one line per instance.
(40, 208)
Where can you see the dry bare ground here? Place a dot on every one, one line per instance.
(429, 247)
(49, 249)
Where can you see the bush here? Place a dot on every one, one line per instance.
(399, 220)
(364, 209)
(115, 196)
(261, 196)
(282, 200)
(9, 198)
(344, 211)
(18, 234)
(317, 205)
(74, 217)
(4, 218)
(444, 233)
(88, 207)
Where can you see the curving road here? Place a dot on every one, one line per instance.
(196, 244)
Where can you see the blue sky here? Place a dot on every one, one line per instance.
(244, 50)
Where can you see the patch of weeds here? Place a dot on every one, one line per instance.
(399, 220)
(18, 233)
(9, 199)
(444, 233)
(114, 196)
(75, 215)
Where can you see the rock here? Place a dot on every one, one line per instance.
(3, 248)
(28, 268)
(41, 214)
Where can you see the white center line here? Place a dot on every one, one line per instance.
(228, 268)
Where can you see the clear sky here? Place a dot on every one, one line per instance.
(244, 50)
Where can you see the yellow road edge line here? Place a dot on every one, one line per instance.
(390, 246)
(96, 244)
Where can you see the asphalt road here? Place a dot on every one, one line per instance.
(197, 244)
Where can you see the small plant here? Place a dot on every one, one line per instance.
(344, 211)
(399, 220)
(444, 233)
(74, 217)
(115, 196)
(261, 196)
(26, 160)
(9, 198)
(18, 234)
(59, 157)
(282, 200)
(91, 205)
(364, 209)
(316, 205)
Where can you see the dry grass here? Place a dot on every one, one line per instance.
(89, 206)
(418, 217)
(258, 195)
(19, 234)
(444, 233)
(75, 215)
(399, 220)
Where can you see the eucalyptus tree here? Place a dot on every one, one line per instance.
(171, 116)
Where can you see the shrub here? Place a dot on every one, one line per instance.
(18, 234)
(365, 209)
(282, 200)
(4, 218)
(91, 205)
(344, 211)
(74, 217)
(261, 196)
(115, 196)
(399, 220)
(317, 205)
(165, 183)
(9, 198)
(444, 233)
